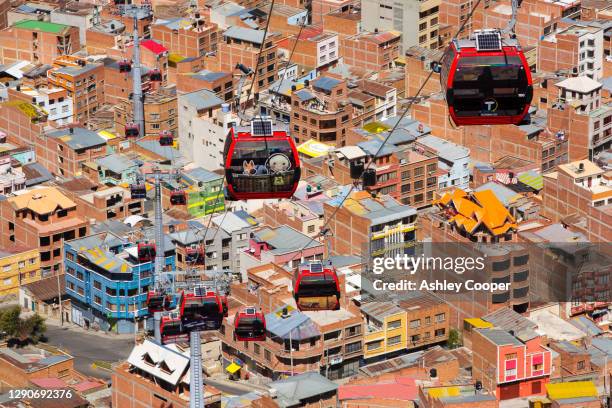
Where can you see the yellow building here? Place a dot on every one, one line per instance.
(385, 329)
(18, 267)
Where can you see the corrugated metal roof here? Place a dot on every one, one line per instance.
(500, 337)
(298, 388)
(326, 83)
(202, 99)
(80, 138)
(245, 34)
(297, 325)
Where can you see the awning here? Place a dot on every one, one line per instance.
(232, 368)
(478, 323)
(532, 179)
(312, 148)
(106, 135)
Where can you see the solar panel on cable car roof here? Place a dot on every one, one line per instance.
(316, 267)
(199, 291)
(488, 41)
(261, 127)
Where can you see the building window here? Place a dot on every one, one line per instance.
(374, 345)
(353, 347)
(256, 348)
(501, 266)
(440, 317)
(352, 331)
(97, 300)
(440, 332)
(394, 340)
(405, 175)
(414, 324)
(79, 275)
(418, 198)
(97, 285)
(580, 366)
(394, 324)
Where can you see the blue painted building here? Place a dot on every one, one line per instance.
(106, 283)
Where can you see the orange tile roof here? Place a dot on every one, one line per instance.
(41, 200)
(478, 208)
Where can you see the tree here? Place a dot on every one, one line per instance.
(31, 329)
(454, 339)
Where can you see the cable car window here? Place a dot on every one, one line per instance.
(489, 85)
(250, 322)
(260, 166)
(317, 286)
(172, 329)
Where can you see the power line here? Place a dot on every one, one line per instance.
(261, 48)
(333, 214)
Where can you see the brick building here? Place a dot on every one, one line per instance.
(41, 218)
(345, 21)
(5, 6)
(371, 51)
(315, 49)
(103, 36)
(421, 320)
(221, 83)
(19, 366)
(576, 50)
(376, 226)
(514, 363)
(118, 86)
(143, 379)
(187, 37)
(321, 111)
(241, 45)
(160, 113)
(582, 189)
(327, 342)
(84, 83)
(580, 115)
(305, 215)
(38, 41)
(101, 204)
(454, 228)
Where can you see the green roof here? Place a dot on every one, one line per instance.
(35, 25)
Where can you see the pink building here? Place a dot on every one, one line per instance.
(511, 364)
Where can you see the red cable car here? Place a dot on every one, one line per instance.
(261, 163)
(195, 256)
(316, 287)
(486, 79)
(158, 301)
(125, 66)
(171, 329)
(201, 310)
(131, 130)
(178, 197)
(166, 138)
(146, 252)
(155, 75)
(138, 191)
(250, 324)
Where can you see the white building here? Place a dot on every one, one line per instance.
(204, 121)
(53, 100)
(582, 93)
(453, 159)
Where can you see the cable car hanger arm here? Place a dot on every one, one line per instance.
(510, 27)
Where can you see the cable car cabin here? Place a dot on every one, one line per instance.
(486, 79)
(172, 330)
(125, 66)
(195, 256)
(249, 324)
(131, 130)
(158, 301)
(316, 287)
(146, 252)
(155, 75)
(178, 197)
(262, 163)
(138, 191)
(201, 310)
(166, 138)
